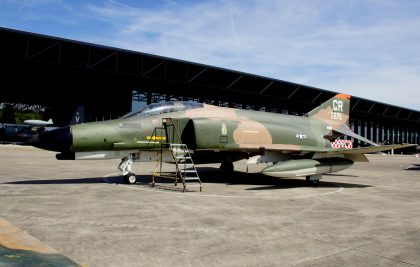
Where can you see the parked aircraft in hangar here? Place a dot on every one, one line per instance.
(173, 132)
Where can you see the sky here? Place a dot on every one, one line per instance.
(370, 48)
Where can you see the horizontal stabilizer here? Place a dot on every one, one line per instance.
(348, 132)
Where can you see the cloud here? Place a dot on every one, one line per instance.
(365, 48)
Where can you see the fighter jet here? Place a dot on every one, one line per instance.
(16, 133)
(10, 132)
(22, 134)
(296, 146)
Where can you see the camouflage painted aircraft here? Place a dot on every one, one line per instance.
(22, 134)
(297, 146)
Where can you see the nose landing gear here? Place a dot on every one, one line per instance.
(125, 167)
(130, 178)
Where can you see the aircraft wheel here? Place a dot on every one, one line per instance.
(130, 178)
(311, 182)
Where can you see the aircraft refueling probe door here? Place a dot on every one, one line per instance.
(174, 129)
(170, 131)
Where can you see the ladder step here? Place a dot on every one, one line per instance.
(178, 145)
(185, 168)
(192, 180)
(185, 165)
(189, 174)
(167, 173)
(187, 171)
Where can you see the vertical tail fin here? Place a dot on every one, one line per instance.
(78, 116)
(335, 111)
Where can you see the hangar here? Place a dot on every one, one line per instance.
(62, 73)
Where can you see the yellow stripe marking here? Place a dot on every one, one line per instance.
(154, 138)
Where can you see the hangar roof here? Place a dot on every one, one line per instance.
(76, 70)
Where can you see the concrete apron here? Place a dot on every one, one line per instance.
(18, 248)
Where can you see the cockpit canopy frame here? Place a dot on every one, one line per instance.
(161, 108)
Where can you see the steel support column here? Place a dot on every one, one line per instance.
(369, 130)
(380, 132)
(362, 131)
(393, 136)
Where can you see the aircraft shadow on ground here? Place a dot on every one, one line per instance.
(208, 175)
(94, 180)
(295, 183)
(214, 175)
(24, 257)
(414, 167)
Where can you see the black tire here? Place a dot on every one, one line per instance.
(311, 182)
(130, 178)
(227, 167)
(315, 182)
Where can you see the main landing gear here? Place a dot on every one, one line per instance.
(125, 167)
(227, 167)
(313, 179)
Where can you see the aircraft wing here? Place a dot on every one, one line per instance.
(297, 148)
(286, 148)
(371, 149)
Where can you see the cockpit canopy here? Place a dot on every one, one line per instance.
(160, 108)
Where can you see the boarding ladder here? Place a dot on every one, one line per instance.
(185, 171)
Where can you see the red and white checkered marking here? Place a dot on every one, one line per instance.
(348, 144)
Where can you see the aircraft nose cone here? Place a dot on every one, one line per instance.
(60, 139)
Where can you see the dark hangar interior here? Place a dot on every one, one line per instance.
(62, 74)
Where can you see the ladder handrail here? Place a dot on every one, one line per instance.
(181, 160)
(172, 124)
